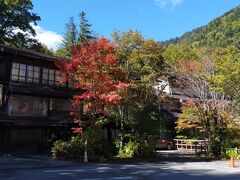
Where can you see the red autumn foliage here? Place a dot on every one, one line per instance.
(94, 69)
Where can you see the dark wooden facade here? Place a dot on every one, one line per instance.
(33, 104)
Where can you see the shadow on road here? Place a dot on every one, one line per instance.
(171, 165)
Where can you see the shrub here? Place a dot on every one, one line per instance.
(97, 147)
(65, 150)
(136, 147)
(147, 149)
(129, 150)
(232, 152)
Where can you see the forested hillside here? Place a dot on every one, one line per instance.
(222, 32)
(208, 60)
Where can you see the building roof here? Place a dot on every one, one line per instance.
(24, 52)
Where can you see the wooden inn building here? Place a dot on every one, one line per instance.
(34, 106)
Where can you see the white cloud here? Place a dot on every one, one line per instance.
(49, 38)
(166, 3)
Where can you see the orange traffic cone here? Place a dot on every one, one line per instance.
(232, 162)
(85, 158)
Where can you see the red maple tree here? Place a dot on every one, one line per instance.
(94, 69)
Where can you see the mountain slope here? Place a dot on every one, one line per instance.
(223, 31)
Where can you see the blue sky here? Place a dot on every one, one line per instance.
(158, 19)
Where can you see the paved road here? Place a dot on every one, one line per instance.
(172, 166)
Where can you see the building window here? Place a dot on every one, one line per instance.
(36, 74)
(27, 106)
(51, 77)
(25, 73)
(30, 74)
(58, 76)
(48, 76)
(59, 104)
(33, 74)
(22, 73)
(45, 76)
(15, 71)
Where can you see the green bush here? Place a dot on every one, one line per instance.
(98, 148)
(129, 150)
(232, 152)
(65, 150)
(136, 147)
(147, 149)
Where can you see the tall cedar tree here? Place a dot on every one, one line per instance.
(74, 36)
(14, 15)
(85, 33)
(94, 69)
(70, 37)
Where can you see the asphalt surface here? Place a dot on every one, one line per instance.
(171, 165)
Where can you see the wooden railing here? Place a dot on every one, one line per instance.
(191, 145)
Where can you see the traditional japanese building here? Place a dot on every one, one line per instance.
(34, 105)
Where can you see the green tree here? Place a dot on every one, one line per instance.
(74, 36)
(70, 36)
(69, 39)
(226, 78)
(143, 61)
(175, 54)
(62, 52)
(141, 58)
(85, 33)
(16, 22)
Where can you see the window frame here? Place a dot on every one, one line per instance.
(32, 74)
(66, 104)
(28, 106)
(25, 76)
